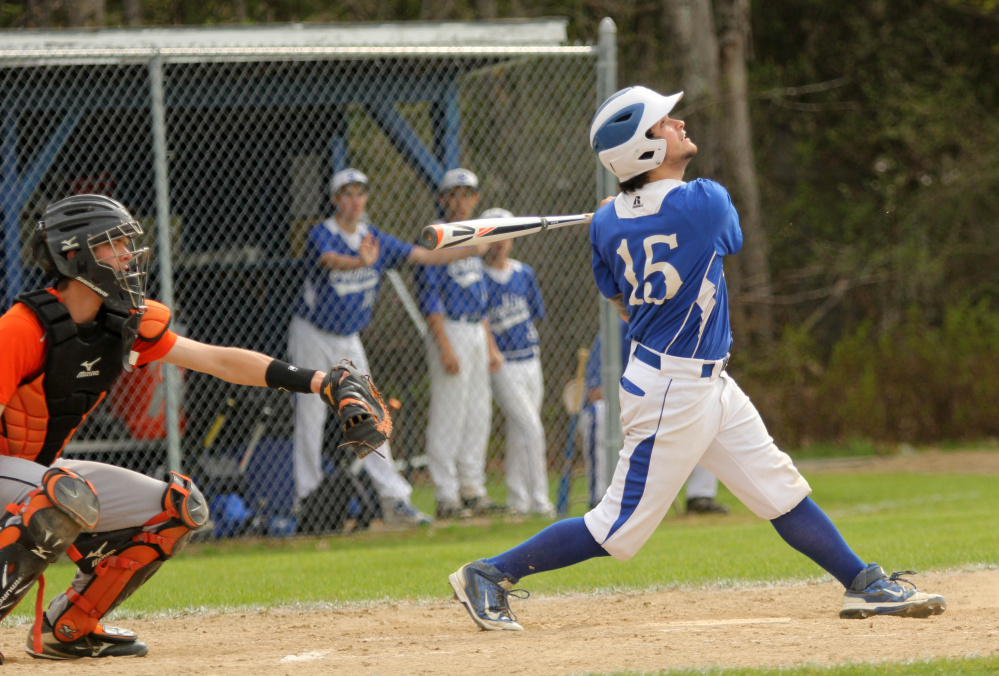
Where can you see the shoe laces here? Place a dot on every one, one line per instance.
(501, 601)
(897, 577)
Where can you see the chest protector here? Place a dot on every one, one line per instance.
(48, 406)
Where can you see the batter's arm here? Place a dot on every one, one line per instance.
(231, 364)
(618, 303)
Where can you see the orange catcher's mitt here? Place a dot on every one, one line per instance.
(366, 422)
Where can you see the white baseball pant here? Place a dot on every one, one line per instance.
(700, 484)
(460, 414)
(519, 389)
(673, 419)
(309, 346)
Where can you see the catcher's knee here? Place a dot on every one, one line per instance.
(37, 531)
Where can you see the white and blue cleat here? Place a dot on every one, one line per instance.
(484, 590)
(874, 593)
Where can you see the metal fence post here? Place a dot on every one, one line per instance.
(164, 253)
(610, 335)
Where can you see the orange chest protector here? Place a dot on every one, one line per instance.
(80, 366)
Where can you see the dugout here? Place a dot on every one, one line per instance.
(222, 141)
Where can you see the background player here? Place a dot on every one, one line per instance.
(461, 353)
(514, 306)
(63, 347)
(657, 255)
(702, 486)
(345, 257)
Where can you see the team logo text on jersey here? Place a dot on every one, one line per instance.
(512, 311)
(347, 282)
(88, 369)
(70, 243)
(465, 272)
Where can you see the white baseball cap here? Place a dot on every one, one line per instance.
(457, 178)
(496, 212)
(346, 177)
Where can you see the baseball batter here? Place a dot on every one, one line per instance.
(515, 304)
(63, 347)
(461, 353)
(658, 249)
(345, 257)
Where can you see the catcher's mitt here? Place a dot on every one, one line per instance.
(366, 422)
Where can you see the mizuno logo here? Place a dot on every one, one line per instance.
(99, 554)
(89, 365)
(70, 243)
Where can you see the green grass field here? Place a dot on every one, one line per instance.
(902, 521)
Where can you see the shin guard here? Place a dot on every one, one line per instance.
(116, 563)
(36, 532)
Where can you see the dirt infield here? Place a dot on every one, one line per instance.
(582, 633)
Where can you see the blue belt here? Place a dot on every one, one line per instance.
(647, 356)
(517, 356)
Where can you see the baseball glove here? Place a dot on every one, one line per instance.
(366, 422)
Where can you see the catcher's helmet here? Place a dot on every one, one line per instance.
(618, 130)
(81, 223)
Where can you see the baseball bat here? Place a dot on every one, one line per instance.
(565, 483)
(488, 230)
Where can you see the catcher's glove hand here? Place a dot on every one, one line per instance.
(366, 422)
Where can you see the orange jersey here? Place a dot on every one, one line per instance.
(22, 362)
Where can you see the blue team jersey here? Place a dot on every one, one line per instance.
(514, 305)
(456, 290)
(661, 248)
(340, 301)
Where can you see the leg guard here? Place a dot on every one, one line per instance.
(114, 564)
(36, 532)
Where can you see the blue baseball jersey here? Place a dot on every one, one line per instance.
(514, 305)
(661, 248)
(340, 301)
(456, 290)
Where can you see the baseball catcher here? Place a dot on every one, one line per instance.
(63, 348)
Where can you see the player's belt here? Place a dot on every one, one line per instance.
(681, 367)
(468, 318)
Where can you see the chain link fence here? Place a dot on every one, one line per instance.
(226, 161)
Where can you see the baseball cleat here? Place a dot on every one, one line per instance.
(401, 513)
(705, 506)
(484, 590)
(451, 510)
(482, 506)
(104, 641)
(874, 593)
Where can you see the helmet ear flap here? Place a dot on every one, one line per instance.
(41, 253)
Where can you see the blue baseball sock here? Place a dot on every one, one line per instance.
(562, 544)
(809, 530)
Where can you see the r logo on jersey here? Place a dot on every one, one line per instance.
(637, 203)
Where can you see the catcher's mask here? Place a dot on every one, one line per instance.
(115, 271)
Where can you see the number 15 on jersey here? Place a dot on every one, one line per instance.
(643, 292)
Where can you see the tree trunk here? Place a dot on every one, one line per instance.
(83, 13)
(732, 17)
(133, 12)
(690, 25)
